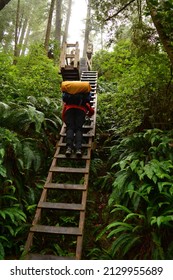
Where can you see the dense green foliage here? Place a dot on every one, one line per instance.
(142, 87)
(133, 106)
(30, 108)
(141, 200)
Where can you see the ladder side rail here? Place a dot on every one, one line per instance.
(83, 213)
(63, 55)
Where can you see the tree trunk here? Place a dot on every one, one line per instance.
(22, 35)
(58, 22)
(67, 22)
(16, 47)
(87, 28)
(26, 39)
(47, 38)
(164, 38)
(3, 3)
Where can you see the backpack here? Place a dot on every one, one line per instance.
(76, 92)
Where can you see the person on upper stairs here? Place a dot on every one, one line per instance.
(76, 108)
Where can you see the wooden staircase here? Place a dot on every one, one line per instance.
(63, 200)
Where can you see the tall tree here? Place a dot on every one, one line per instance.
(47, 38)
(160, 11)
(3, 3)
(161, 14)
(32, 24)
(22, 34)
(16, 46)
(67, 21)
(87, 28)
(58, 22)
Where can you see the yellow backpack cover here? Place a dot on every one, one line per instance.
(74, 87)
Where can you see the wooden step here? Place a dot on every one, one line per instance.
(89, 77)
(64, 206)
(70, 45)
(68, 170)
(66, 186)
(73, 156)
(83, 145)
(84, 126)
(47, 257)
(56, 230)
(70, 55)
(88, 126)
(89, 134)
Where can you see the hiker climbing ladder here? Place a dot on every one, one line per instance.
(58, 227)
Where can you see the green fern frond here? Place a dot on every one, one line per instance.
(119, 207)
(119, 245)
(31, 156)
(9, 212)
(3, 238)
(35, 116)
(134, 215)
(15, 214)
(10, 229)
(2, 214)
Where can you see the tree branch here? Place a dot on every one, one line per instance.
(119, 11)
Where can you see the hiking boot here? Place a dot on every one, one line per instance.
(79, 152)
(68, 151)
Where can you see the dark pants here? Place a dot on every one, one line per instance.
(74, 120)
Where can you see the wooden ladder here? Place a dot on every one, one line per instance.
(69, 62)
(63, 200)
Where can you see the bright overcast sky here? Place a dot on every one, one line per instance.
(77, 24)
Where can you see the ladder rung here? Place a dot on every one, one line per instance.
(47, 257)
(73, 156)
(88, 126)
(70, 55)
(65, 206)
(56, 230)
(83, 145)
(85, 125)
(88, 78)
(84, 135)
(70, 45)
(68, 169)
(66, 186)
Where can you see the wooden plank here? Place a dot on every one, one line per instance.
(56, 230)
(83, 145)
(68, 170)
(66, 186)
(89, 134)
(69, 55)
(73, 156)
(69, 45)
(63, 206)
(84, 126)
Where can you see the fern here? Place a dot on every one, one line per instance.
(31, 158)
(143, 189)
(15, 214)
